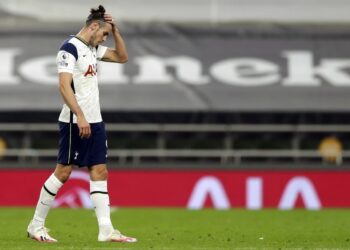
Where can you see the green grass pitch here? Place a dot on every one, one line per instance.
(173, 229)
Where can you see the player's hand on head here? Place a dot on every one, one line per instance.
(109, 19)
(84, 127)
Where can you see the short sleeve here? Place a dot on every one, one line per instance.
(66, 58)
(101, 51)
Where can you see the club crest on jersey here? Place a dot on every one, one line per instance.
(91, 70)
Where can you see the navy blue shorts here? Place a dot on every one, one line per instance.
(82, 152)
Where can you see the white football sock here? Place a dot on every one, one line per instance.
(100, 200)
(47, 195)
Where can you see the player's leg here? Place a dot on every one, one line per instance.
(36, 229)
(49, 191)
(100, 199)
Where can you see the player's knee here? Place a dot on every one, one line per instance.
(99, 173)
(63, 173)
(102, 174)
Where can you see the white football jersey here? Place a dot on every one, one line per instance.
(80, 59)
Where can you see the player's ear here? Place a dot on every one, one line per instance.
(94, 26)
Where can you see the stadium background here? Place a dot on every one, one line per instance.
(222, 103)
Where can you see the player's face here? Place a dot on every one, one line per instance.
(101, 34)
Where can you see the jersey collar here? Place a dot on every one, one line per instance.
(81, 40)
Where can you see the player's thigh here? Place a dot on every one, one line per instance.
(98, 172)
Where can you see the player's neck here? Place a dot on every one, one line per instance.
(84, 36)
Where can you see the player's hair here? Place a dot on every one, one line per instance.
(96, 15)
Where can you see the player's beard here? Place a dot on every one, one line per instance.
(93, 41)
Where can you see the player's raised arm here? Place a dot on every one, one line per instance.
(118, 54)
(65, 80)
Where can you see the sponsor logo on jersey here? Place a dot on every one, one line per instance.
(90, 71)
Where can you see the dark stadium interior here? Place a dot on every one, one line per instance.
(212, 139)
